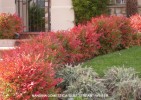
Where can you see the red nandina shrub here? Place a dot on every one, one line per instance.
(86, 34)
(80, 43)
(71, 45)
(126, 31)
(116, 32)
(137, 39)
(25, 72)
(136, 22)
(54, 51)
(47, 45)
(9, 25)
(63, 47)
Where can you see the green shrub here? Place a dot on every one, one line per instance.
(122, 83)
(86, 9)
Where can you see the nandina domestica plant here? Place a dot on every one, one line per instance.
(89, 39)
(64, 47)
(136, 25)
(71, 45)
(25, 72)
(52, 47)
(116, 32)
(9, 25)
(29, 69)
(136, 22)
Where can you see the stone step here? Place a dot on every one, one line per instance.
(5, 43)
(8, 44)
(6, 48)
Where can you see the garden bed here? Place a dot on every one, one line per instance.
(34, 67)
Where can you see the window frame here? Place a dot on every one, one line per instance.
(115, 2)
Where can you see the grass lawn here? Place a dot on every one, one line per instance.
(127, 58)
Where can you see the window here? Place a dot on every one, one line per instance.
(117, 1)
(120, 1)
(41, 3)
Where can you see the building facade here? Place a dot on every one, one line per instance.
(118, 7)
(51, 15)
(41, 15)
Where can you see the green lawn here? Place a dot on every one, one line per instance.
(128, 58)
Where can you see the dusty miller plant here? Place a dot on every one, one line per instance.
(122, 83)
(81, 80)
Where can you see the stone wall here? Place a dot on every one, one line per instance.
(117, 10)
(120, 10)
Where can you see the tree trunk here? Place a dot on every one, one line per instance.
(131, 7)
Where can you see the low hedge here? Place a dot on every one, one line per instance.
(26, 72)
(43, 55)
(117, 32)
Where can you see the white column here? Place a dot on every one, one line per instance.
(0, 6)
(46, 16)
(62, 15)
(7, 6)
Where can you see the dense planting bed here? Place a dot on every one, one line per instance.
(40, 65)
(128, 58)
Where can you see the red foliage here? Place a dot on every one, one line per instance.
(63, 47)
(25, 71)
(116, 32)
(136, 22)
(30, 68)
(53, 49)
(71, 45)
(9, 25)
(86, 34)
